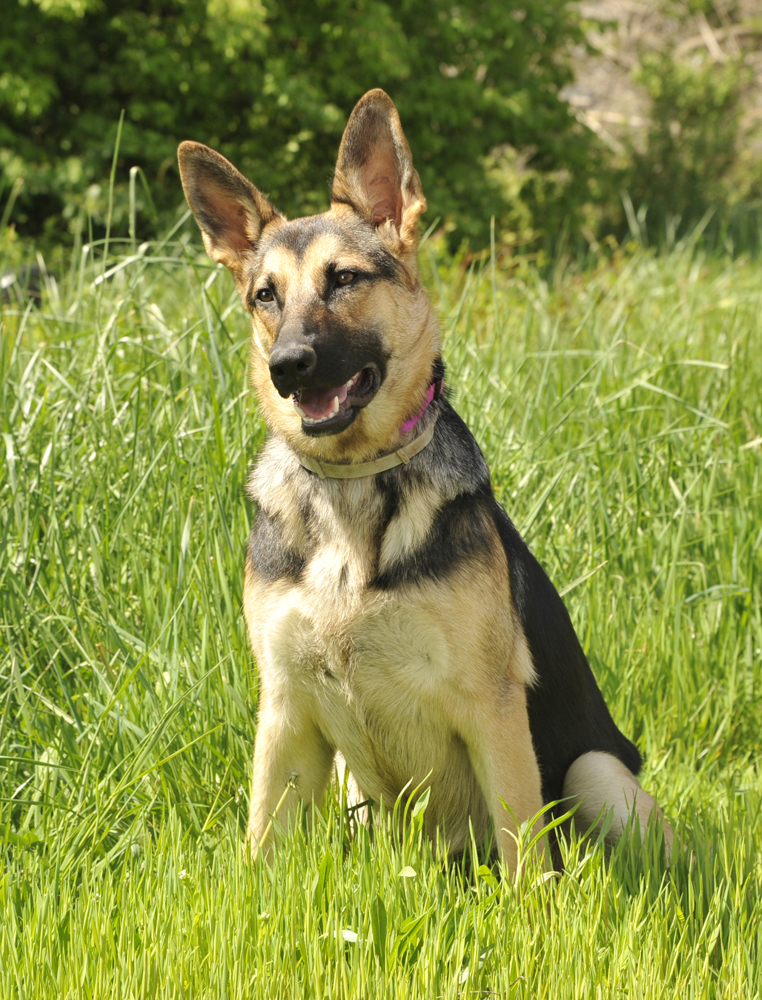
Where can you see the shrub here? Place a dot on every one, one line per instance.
(693, 136)
(270, 85)
(700, 153)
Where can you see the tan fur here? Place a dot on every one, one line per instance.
(419, 683)
(410, 332)
(403, 665)
(407, 320)
(600, 785)
(409, 528)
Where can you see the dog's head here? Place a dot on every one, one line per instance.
(343, 340)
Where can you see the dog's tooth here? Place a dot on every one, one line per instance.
(335, 404)
(300, 411)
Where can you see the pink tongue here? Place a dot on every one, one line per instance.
(318, 403)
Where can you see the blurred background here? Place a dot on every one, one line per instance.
(568, 123)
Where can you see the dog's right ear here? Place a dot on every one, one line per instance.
(230, 211)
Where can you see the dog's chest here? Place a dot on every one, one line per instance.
(380, 678)
(360, 654)
(390, 676)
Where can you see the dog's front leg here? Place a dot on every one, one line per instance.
(503, 757)
(292, 763)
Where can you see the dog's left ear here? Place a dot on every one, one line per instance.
(375, 172)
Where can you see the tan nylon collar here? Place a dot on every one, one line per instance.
(361, 469)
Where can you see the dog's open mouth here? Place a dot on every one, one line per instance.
(330, 410)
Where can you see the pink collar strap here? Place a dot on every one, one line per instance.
(435, 391)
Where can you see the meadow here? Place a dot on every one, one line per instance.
(620, 409)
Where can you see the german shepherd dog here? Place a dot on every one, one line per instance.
(396, 615)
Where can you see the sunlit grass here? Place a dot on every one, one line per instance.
(620, 410)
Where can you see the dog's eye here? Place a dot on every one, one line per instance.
(345, 277)
(264, 295)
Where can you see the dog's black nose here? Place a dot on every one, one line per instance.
(291, 365)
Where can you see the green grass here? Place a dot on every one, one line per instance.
(617, 409)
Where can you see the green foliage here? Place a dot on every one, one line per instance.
(621, 415)
(701, 156)
(693, 136)
(270, 85)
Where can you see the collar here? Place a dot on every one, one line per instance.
(359, 470)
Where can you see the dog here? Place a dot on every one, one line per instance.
(396, 616)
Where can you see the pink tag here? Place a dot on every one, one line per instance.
(410, 424)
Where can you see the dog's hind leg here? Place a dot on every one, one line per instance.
(600, 784)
